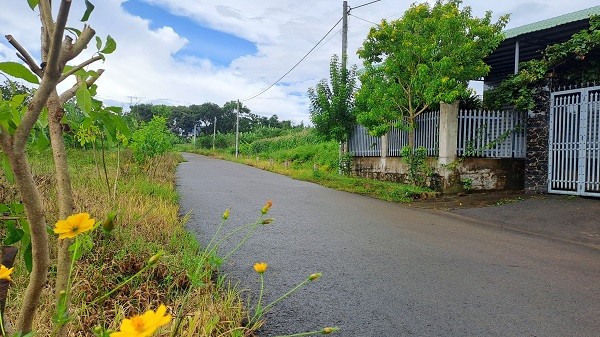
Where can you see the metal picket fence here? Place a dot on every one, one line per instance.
(427, 126)
(362, 144)
(491, 134)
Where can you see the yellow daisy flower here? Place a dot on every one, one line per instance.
(74, 225)
(143, 325)
(5, 273)
(260, 267)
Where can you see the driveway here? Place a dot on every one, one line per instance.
(388, 269)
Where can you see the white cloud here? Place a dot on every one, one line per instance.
(144, 65)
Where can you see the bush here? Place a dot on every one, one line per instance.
(152, 139)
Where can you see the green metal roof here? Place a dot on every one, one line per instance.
(552, 22)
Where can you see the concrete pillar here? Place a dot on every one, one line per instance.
(448, 137)
(384, 151)
(448, 143)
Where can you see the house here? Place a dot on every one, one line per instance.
(563, 143)
(556, 151)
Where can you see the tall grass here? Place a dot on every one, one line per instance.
(148, 221)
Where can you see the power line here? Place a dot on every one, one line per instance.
(295, 65)
(372, 2)
(352, 15)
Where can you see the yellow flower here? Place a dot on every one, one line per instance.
(226, 214)
(74, 225)
(143, 325)
(5, 273)
(260, 267)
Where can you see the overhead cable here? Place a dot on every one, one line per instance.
(295, 65)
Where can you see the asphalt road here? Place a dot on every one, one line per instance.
(390, 270)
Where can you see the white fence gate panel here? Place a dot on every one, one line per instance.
(574, 142)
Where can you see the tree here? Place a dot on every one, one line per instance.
(17, 123)
(425, 57)
(331, 106)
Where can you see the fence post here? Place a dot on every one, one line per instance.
(384, 152)
(448, 140)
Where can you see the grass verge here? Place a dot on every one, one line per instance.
(148, 221)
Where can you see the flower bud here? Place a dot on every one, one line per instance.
(267, 207)
(109, 223)
(226, 214)
(328, 330)
(154, 258)
(314, 277)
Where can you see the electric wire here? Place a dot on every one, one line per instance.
(363, 19)
(372, 2)
(295, 65)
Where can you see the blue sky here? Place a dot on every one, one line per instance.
(220, 47)
(185, 52)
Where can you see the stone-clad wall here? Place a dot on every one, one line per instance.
(536, 161)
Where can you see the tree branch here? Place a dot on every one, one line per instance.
(71, 50)
(80, 66)
(46, 16)
(56, 36)
(67, 95)
(24, 55)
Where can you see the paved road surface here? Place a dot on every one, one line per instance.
(390, 270)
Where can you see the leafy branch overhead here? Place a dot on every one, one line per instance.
(425, 57)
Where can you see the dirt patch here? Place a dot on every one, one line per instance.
(472, 200)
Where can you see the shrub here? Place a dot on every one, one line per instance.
(152, 139)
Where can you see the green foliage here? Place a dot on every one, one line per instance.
(574, 61)
(152, 139)
(331, 107)
(425, 57)
(418, 171)
(15, 228)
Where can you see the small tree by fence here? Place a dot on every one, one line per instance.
(481, 133)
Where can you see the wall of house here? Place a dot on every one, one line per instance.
(485, 174)
(536, 162)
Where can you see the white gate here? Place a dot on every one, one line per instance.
(574, 142)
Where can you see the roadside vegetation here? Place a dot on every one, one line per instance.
(303, 154)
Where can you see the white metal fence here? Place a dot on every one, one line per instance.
(427, 126)
(491, 134)
(362, 144)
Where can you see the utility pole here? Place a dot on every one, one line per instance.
(237, 129)
(345, 10)
(214, 132)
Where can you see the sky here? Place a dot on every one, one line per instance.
(183, 52)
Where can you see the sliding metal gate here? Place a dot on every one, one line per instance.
(574, 142)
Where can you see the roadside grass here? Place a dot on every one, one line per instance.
(148, 221)
(318, 164)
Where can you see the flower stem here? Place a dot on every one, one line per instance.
(119, 286)
(293, 290)
(248, 235)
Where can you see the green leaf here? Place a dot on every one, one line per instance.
(85, 244)
(20, 71)
(110, 47)
(75, 31)
(84, 99)
(8, 173)
(28, 258)
(33, 3)
(98, 42)
(13, 234)
(89, 7)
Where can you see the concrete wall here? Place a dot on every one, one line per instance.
(485, 174)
